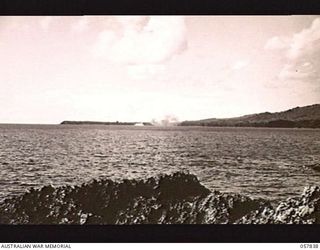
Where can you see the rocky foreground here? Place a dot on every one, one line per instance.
(168, 199)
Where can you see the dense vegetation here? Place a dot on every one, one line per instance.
(299, 117)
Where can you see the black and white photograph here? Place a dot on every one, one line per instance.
(112, 120)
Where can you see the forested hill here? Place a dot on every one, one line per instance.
(299, 117)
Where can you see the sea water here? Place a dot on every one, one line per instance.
(266, 163)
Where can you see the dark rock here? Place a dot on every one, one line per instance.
(169, 199)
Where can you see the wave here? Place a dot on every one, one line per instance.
(167, 199)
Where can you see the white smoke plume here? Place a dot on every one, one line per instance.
(167, 120)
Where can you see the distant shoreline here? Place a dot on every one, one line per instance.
(299, 117)
(105, 123)
(313, 124)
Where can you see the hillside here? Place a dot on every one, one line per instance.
(299, 117)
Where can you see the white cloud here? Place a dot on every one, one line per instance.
(104, 43)
(134, 23)
(143, 41)
(80, 25)
(46, 22)
(276, 42)
(144, 71)
(240, 65)
(291, 71)
(306, 41)
(301, 51)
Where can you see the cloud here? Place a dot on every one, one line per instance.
(143, 40)
(296, 72)
(240, 65)
(134, 23)
(276, 43)
(106, 40)
(301, 52)
(80, 25)
(144, 71)
(46, 22)
(305, 42)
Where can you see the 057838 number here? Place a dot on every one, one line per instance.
(309, 245)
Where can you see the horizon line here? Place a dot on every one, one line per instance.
(85, 120)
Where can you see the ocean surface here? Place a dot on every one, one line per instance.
(263, 163)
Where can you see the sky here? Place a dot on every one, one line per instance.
(143, 68)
